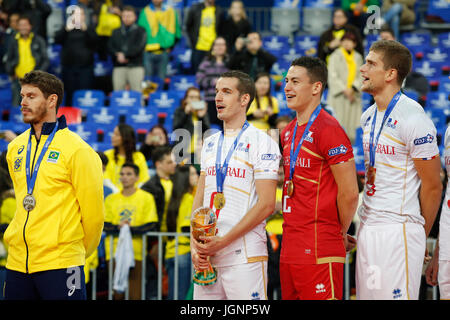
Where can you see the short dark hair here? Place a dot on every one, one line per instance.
(160, 152)
(129, 8)
(25, 17)
(395, 56)
(387, 29)
(46, 82)
(245, 85)
(132, 166)
(316, 69)
(103, 157)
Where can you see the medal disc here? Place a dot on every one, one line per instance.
(371, 171)
(290, 188)
(29, 202)
(219, 200)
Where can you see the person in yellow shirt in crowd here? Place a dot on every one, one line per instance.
(124, 150)
(7, 209)
(26, 52)
(137, 208)
(179, 220)
(108, 16)
(204, 22)
(264, 109)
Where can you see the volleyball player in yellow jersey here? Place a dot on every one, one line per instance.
(136, 208)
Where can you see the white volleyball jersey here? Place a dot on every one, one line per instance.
(256, 157)
(444, 222)
(408, 134)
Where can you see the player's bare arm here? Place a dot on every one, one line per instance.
(347, 197)
(264, 207)
(430, 189)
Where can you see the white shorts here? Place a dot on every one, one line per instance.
(444, 279)
(389, 261)
(239, 282)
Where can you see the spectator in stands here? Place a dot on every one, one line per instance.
(86, 5)
(156, 137)
(357, 11)
(204, 23)
(77, 56)
(397, 13)
(107, 14)
(26, 52)
(192, 112)
(136, 208)
(126, 45)
(236, 24)
(212, 66)
(37, 11)
(108, 186)
(179, 220)
(7, 210)
(7, 35)
(386, 33)
(123, 141)
(252, 59)
(162, 24)
(264, 109)
(331, 39)
(161, 185)
(344, 83)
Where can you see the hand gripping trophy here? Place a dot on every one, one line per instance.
(203, 222)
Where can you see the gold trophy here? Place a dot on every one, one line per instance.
(203, 223)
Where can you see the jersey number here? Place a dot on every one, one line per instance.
(371, 190)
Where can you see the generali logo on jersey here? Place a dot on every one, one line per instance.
(231, 172)
(381, 148)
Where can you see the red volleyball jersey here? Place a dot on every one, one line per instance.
(311, 228)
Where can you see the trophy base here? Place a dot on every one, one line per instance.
(205, 278)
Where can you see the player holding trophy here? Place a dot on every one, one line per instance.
(238, 179)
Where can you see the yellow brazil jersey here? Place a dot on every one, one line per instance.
(65, 226)
(168, 186)
(183, 220)
(112, 171)
(140, 208)
(6, 215)
(207, 32)
(263, 123)
(26, 59)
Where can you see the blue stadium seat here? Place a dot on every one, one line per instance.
(280, 67)
(438, 116)
(430, 70)
(176, 4)
(366, 101)
(411, 94)
(182, 82)
(439, 8)
(164, 104)
(306, 45)
(275, 44)
(5, 97)
(289, 55)
(319, 4)
(5, 83)
(436, 54)
(285, 21)
(103, 68)
(125, 98)
(416, 41)
(54, 56)
(358, 153)
(444, 40)
(316, 20)
(287, 4)
(444, 84)
(85, 131)
(88, 98)
(182, 57)
(438, 100)
(102, 117)
(142, 118)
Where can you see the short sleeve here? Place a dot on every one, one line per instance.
(335, 145)
(150, 208)
(267, 158)
(420, 137)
